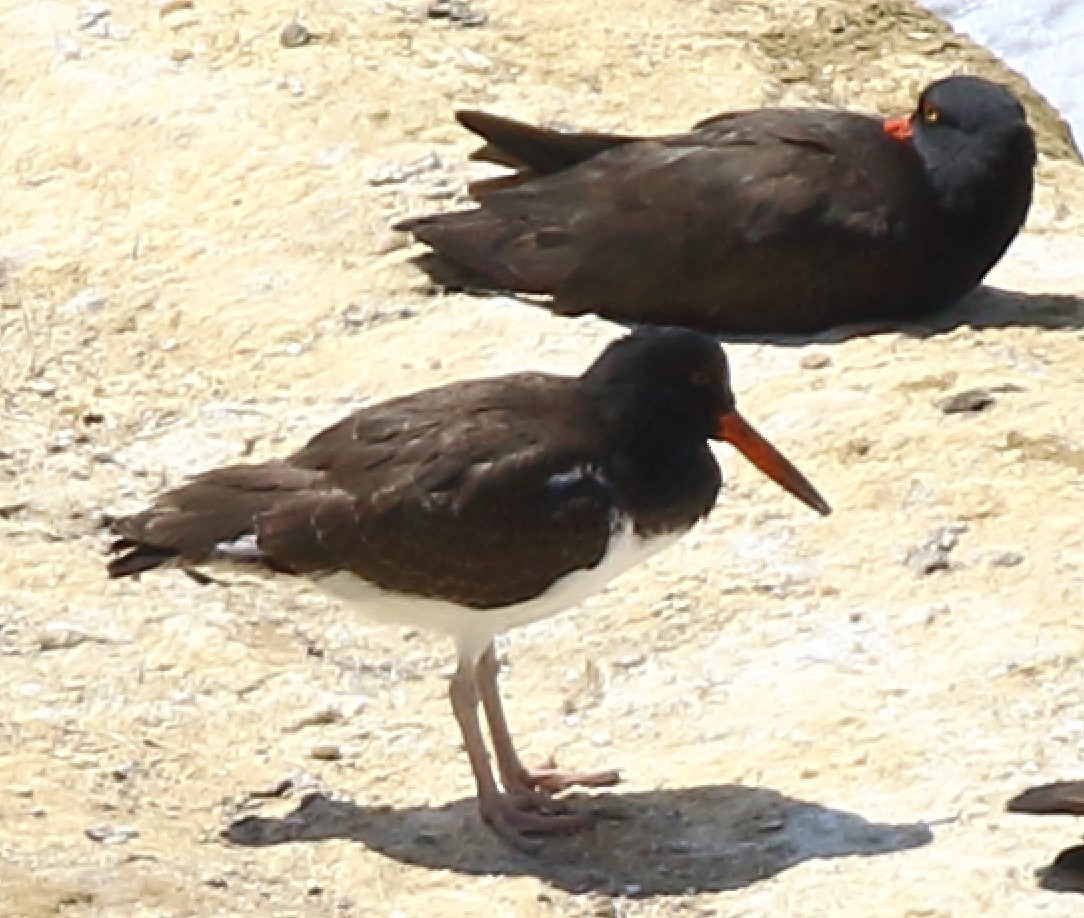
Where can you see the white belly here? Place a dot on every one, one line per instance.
(474, 629)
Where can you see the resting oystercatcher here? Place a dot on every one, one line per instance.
(764, 221)
(479, 506)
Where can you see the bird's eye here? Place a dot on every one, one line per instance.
(931, 115)
(701, 378)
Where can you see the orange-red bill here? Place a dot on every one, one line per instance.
(735, 430)
(898, 128)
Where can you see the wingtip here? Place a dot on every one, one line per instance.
(465, 115)
(132, 559)
(406, 225)
(1063, 798)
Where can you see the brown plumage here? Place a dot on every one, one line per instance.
(773, 220)
(400, 494)
(479, 506)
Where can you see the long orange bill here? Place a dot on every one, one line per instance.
(739, 433)
(898, 128)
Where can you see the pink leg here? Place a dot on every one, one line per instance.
(500, 811)
(534, 785)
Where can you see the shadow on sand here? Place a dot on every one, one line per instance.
(654, 843)
(983, 308)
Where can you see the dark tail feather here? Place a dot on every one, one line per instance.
(484, 251)
(133, 558)
(165, 533)
(189, 523)
(541, 150)
(1064, 798)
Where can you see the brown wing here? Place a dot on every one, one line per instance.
(434, 494)
(744, 212)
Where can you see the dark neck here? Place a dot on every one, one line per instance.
(662, 466)
(984, 202)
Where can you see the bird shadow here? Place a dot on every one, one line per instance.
(652, 843)
(983, 308)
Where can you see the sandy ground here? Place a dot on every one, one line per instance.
(813, 717)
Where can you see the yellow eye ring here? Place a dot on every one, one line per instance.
(931, 115)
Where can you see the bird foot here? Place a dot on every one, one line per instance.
(549, 780)
(510, 816)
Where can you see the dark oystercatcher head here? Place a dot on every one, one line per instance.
(964, 121)
(682, 377)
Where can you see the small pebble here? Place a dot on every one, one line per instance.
(1006, 559)
(122, 772)
(61, 637)
(457, 11)
(326, 752)
(67, 49)
(933, 554)
(969, 400)
(318, 718)
(111, 835)
(630, 660)
(815, 360)
(89, 300)
(295, 35)
(92, 15)
(42, 387)
(165, 7)
(475, 62)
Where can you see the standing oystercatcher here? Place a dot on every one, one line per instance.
(479, 506)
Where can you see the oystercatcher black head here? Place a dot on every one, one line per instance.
(479, 506)
(677, 382)
(764, 221)
(973, 138)
(682, 375)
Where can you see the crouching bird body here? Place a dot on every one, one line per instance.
(773, 220)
